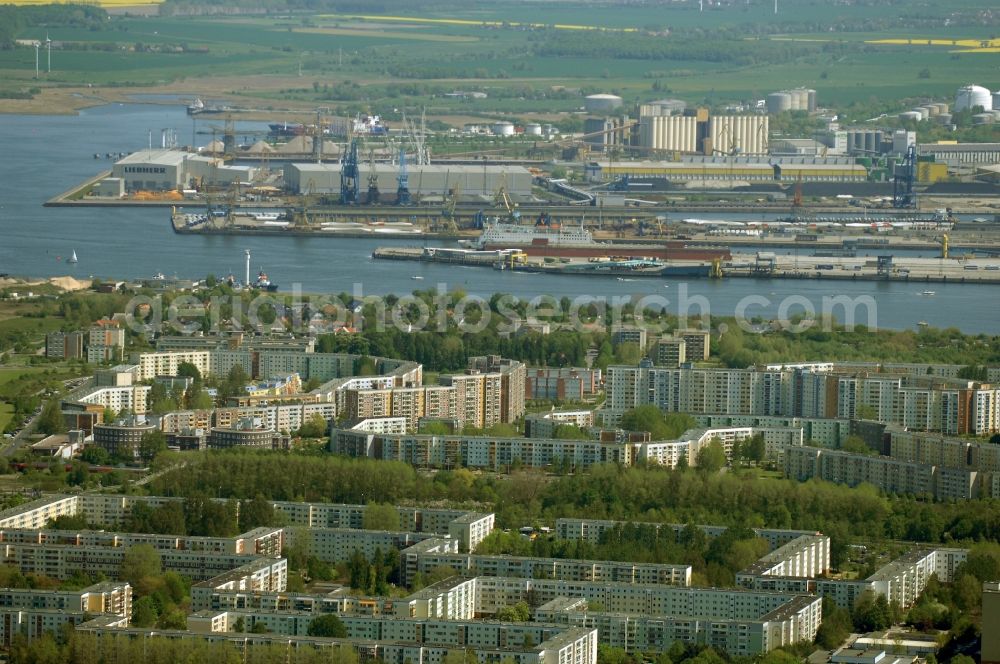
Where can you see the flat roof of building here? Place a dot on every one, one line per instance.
(443, 169)
(157, 157)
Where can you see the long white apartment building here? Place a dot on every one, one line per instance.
(500, 453)
(927, 402)
(592, 530)
(259, 541)
(432, 554)
(888, 474)
(568, 646)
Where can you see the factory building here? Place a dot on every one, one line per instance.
(430, 180)
(163, 170)
(960, 154)
(732, 169)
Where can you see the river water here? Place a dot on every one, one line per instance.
(44, 155)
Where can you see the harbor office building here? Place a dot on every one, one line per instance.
(427, 180)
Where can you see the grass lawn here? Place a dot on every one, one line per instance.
(6, 414)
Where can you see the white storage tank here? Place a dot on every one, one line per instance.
(778, 102)
(811, 95)
(602, 103)
(503, 128)
(970, 96)
(922, 112)
(533, 129)
(910, 115)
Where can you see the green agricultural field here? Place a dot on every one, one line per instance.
(719, 56)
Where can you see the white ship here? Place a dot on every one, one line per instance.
(498, 234)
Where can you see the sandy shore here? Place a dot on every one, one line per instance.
(63, 283)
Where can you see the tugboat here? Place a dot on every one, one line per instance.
(263, 283)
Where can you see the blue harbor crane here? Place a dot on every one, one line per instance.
(403, 191)
(349, 176)
(903, 177)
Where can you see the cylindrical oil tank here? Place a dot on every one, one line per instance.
(970, 96)
(778, 102)
(932, 110)
(602, 103)
(982, 118)
(942, 108)
(921, 111)
(943, 118)
(909, 115)
(811, 95)
(996, 100)
(533, 129)
(503, 128)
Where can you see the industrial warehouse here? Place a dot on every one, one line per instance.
(424, 180)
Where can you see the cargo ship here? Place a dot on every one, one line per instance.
(578, 242)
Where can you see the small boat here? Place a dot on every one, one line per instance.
(416, 277)
(928, 292)
(263, 283)
(922, 323)
(73, 258)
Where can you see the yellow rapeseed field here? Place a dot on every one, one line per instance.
(960, 45)
(459, 21)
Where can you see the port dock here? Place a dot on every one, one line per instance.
(760, 265)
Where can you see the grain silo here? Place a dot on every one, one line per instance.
(811, 96)
(971, 96)
(669, 132)
(778, 102)
(602, 104)
(800, 99)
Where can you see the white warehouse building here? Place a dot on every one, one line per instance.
(429, 180)
(163, 170)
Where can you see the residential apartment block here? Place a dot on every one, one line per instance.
(948, 405)
(885, 473)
